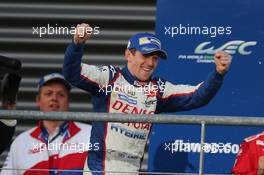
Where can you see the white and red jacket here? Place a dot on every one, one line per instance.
(33, 149)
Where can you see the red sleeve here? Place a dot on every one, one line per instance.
(246, 160)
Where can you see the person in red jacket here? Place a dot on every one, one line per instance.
(250, 159)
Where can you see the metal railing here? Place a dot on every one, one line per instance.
(158, 118)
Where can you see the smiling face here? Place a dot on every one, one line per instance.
(141, 66)
(53, 97)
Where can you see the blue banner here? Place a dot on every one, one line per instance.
(191, 32)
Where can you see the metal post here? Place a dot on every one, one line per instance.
(201, 161)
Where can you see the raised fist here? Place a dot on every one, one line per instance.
(222, 62)
(82, 33)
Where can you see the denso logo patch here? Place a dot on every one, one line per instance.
(128, 109)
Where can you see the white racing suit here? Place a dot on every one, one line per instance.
(116, 90)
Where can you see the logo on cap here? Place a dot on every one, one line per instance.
(144, 40)
(54, 77)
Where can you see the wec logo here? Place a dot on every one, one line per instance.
(230, 47)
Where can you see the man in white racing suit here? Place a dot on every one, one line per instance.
(132, 90)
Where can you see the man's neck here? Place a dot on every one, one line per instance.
(51, 125)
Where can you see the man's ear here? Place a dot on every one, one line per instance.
(128, 55)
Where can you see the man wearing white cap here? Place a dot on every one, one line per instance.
(132, 90)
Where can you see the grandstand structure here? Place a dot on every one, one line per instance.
(117, 21)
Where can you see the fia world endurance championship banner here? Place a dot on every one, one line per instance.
(191, 32)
